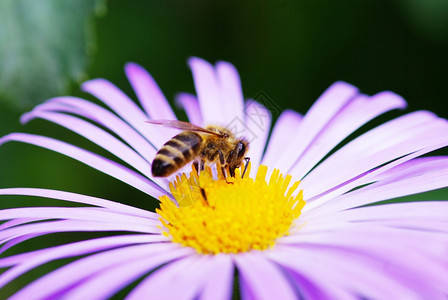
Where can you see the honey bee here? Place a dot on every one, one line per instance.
(212, 144)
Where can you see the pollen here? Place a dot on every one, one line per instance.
(230, 215)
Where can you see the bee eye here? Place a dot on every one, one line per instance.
(240, 149)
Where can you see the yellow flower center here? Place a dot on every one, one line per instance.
(230, 215)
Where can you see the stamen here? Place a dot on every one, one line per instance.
(232, 214)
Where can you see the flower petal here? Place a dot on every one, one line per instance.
(98, 162)
(106, 283)
(191, 106)
(27, 261)
(412, 177)
(230, 91)
(72, 226)
(120, 103)
(281, 135)
(307, 288)
(413, 168)
(356, 113)
(75, 272)
(188, 284)
(102, 116)
(430, 234)
(74, 213)
(11, 243)
(332, 266)
(16, 222)
(148, 92)
(220, 279)
(99, 137)
(82, 199)
(207, 89)
(384, 244)
(258, 124)
(261, 279)
(323, 110)
(390, 141)
(415, 214)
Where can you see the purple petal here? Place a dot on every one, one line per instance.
(106, 119)
(72, 226)
(356, 113)
(413, 168)
(416, 215)
(207, 89)
(102, 116)
(128, 110)
(98, 162)
(27, 261)
(15, 259)
(366, 177)
(329, 226)
(149, 93)
(412, 211)
(305, 287)
(189, 274)
(258, 124)
(12, 241)
(327, 283)
(72, 273)
(78, 198)
(16, 241)
(398, 250)
(99, 137)
(220, 279)
(191, 106)
(431, 235)
(369, 277)
(105, 284)
(412, 177)
(75, 213)
(261, 279)
(383, 144)
(426, 248)
(322, 111)
(230, 91)
(288, 121)
(17, 221)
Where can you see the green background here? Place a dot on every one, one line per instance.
(291, 50)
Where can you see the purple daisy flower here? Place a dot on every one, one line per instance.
(273, 238)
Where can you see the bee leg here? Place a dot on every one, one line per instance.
(247, 159)
(222, 162)
(232, 171)
(202, 165)
(196, 166)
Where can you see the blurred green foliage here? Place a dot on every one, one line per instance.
(428, 17)
(43, 47)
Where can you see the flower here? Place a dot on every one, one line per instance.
(259, 235)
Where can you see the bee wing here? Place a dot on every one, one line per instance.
(182, 125)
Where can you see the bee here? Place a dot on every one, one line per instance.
(212, 144)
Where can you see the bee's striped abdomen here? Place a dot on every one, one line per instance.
(176, 153)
